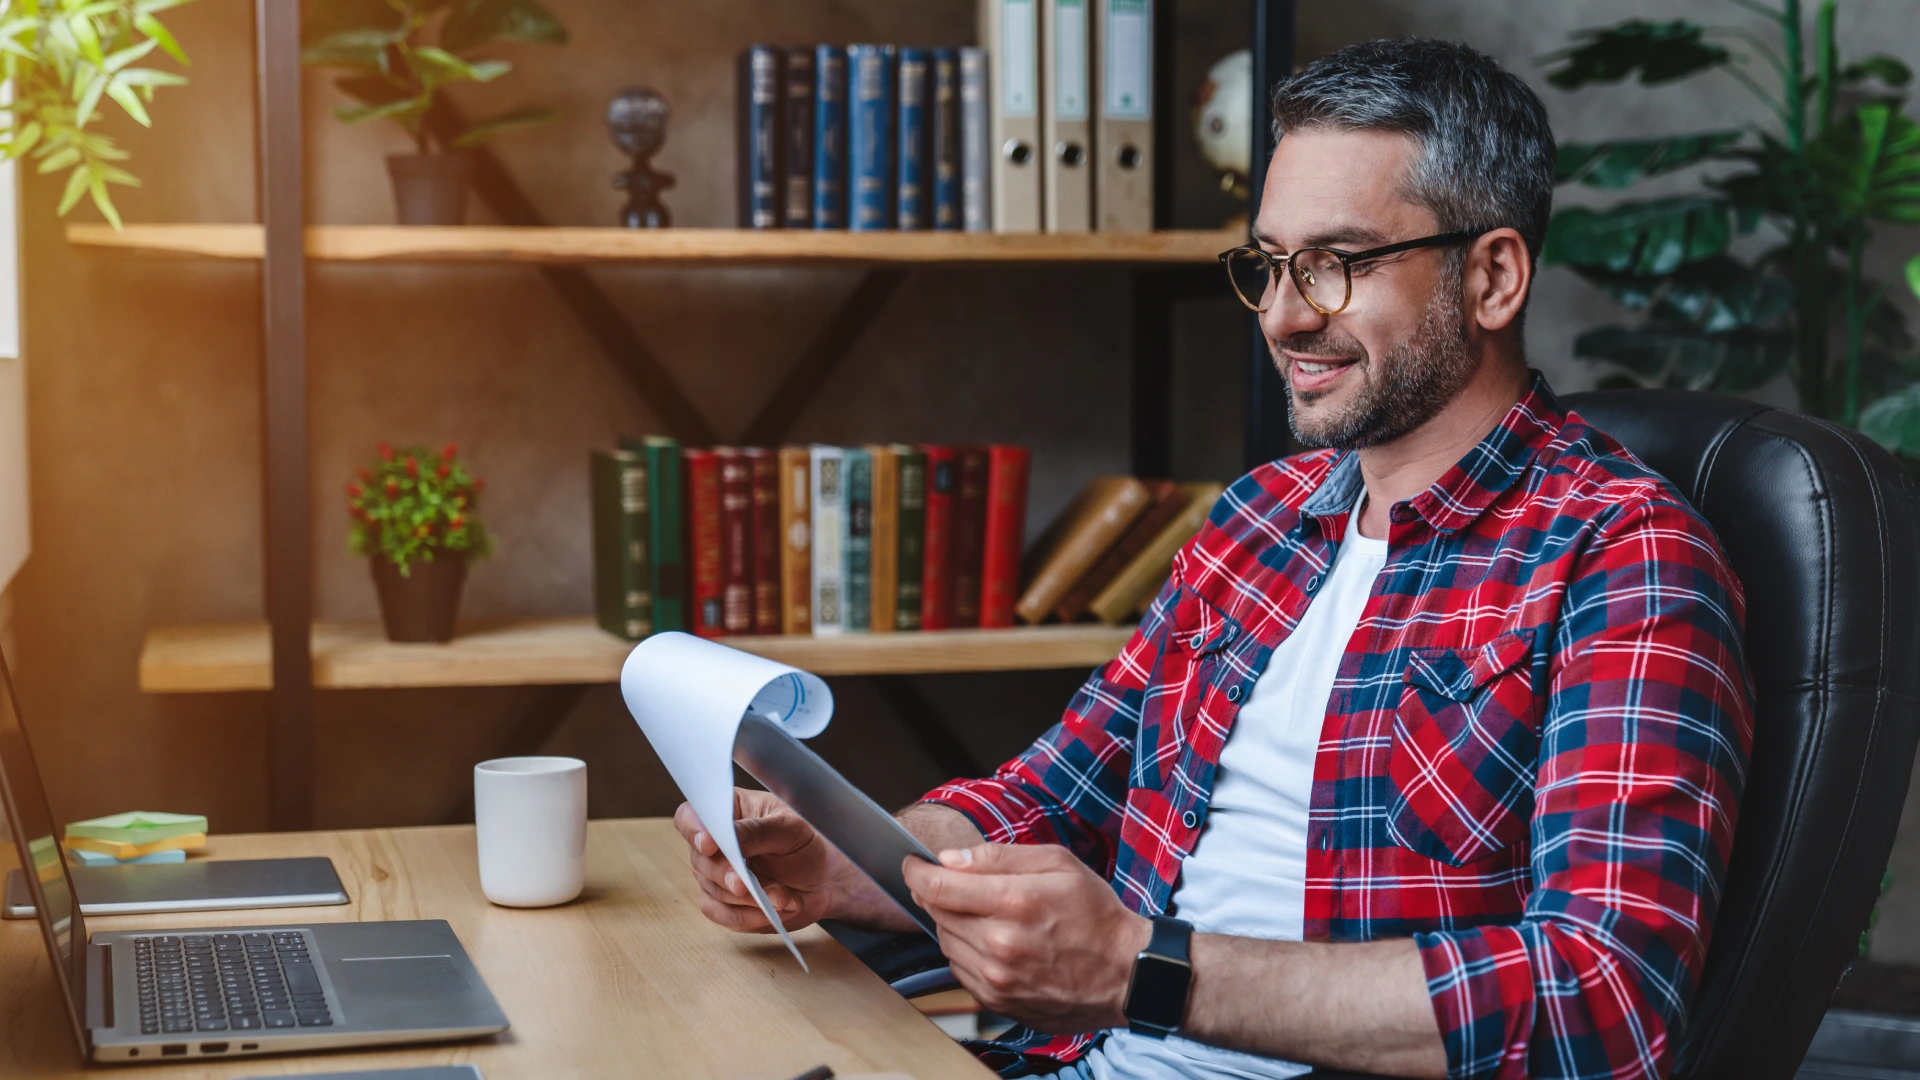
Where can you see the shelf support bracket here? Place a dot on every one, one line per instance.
(821, 357)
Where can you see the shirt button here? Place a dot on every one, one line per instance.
(1313, 583)
(1190, 819)
(1233, 693)
(1198, 640)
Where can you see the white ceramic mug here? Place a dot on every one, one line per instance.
(530, 815)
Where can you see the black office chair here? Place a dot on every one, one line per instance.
(1823, 529)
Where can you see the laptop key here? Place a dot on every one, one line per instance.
(277, 1019)
(316, 1020)
(246, 1023)
(302, 979)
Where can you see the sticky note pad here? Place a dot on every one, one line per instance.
(132, 851)
(138, 827)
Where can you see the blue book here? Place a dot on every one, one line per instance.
(870, 179)
(943, 143)
(829, 137)
(913, 194)
(859, 545)
(757, 130)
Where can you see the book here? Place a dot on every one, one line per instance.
(138, 827)
(884, 592)
(1091, 524)
(976, 143)
(1165, 501)
(757, 134)
(858, 471)
(1010, 30)
(796, 540)
(704, 545)
(829, 137)
(94, 858)
(796, 126)
(736, 541)
(943, 142)
(1134, 587)
(829, 541)
(912, 532)
(936, 581)
(1123, 122)
(621, 600)
(913, 190)
(124, 851)
(665, 530)
(870, 176)
(969, 535)
(1004, 534)
(763, 470)
(1066, 122)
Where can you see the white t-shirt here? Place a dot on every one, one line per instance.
(1247, 874)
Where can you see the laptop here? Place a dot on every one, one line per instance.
(226, 991)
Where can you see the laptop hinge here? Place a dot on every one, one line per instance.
(99, 984)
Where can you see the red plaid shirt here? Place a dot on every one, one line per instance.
(1531, 760)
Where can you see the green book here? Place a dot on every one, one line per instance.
(138, 827)
(913, 536)
(859, 540)
(622, 600)
(664, 530)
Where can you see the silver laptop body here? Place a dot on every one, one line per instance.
(165, 995)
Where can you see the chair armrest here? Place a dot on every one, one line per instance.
(911, 963)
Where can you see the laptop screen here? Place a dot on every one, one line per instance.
(27, 820)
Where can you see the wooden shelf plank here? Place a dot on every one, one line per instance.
(714, 247)
(218, 657)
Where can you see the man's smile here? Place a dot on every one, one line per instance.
(1312, 374)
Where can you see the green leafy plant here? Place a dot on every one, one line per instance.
(413, 505)
(1838, 156)
(66, 59)
(394, 74)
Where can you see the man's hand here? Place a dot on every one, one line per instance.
(805, 878)
(1033, 933)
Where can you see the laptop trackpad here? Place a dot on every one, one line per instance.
(399, 991)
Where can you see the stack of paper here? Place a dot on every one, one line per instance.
(143, 836)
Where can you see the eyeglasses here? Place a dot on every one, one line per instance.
(1323, 275)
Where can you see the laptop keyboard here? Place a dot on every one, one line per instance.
(228, 982)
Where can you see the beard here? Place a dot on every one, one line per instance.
(1405, 389)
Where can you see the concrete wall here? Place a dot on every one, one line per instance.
(144, 392)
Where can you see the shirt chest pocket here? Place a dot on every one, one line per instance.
(1183, 679)
(1465, 743)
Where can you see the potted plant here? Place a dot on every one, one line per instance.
(393, 73)
(415, 517)
(66, 59)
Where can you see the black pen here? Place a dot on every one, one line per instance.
(818, 1072)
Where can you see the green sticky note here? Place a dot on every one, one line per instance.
(138, 827)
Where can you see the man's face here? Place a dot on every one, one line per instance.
(1397, 353)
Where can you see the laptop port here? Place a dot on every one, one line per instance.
(174, 1050)
(249, 1046)
(213, 1048)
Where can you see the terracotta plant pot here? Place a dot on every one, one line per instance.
(430, 189)
(422, 605)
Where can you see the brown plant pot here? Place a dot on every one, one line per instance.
(422, 605)
(430, 189)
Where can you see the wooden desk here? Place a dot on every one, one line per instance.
(628, 981)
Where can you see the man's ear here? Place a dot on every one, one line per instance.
(1499, 272)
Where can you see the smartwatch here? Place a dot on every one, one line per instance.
(1162, 975)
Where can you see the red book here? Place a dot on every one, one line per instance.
(736, 541)
(1006, 531)
(936, 579)
(763, 468)
(969, 533)
(703, 552)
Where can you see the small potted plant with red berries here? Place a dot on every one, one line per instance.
(415, 518)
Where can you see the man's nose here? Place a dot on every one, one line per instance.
(1289, 314)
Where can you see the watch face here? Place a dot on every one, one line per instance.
(1159, 991)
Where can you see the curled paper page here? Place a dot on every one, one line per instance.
(688, 695)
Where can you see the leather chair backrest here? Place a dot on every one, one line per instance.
(1823, 530)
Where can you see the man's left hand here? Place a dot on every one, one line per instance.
(1033, 933)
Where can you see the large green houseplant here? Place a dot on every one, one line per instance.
(398, 55)
(1836, 157)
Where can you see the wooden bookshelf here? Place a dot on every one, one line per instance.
(221, 657)
(680, 247)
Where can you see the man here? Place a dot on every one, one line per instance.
(1433, 743)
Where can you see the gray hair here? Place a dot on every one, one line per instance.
(1487, 151)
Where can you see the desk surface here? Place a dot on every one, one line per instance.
(627, 981)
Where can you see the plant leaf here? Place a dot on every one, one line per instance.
(372, 90)
(524, 117)
(89, 99)
(1913, 274)
(1658, 51)
(76, 187)
(437, 67)
(333, 18)
(1894, 421)
(404, 110)
(1865, 161)
(1622, 164)
(1643, 238)
(1689, 359)
(130, 101)
(97, 185)
(122, 57)
(363, 48)
(1887, 69)
(488, 22)
(153, 28)
(58, 160)
(149, 77)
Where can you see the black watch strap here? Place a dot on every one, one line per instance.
(1162, 976)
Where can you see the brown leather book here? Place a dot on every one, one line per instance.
(1097, 518)
(736, 540)
(1169, 499)
(1137, 583)
(969, 533)
(796, 546)
(884, 562)
(764, 472)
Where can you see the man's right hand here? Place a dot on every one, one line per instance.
(805, 878)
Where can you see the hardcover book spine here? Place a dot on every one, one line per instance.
(829, 542)
(1169, 499)
(758, 131)
(969, 535)
(870, 137)
(884, 591)
(619, 485)
(830, 137)
(859, 583)
(736, 541)
(704, 542)
(936, 581)
(945, 140)
(796, 126)
(665, 530)
(913, 194)
(1006, 530)
(796, 540)
(912, 535)
(763, 470)
(976, 149)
